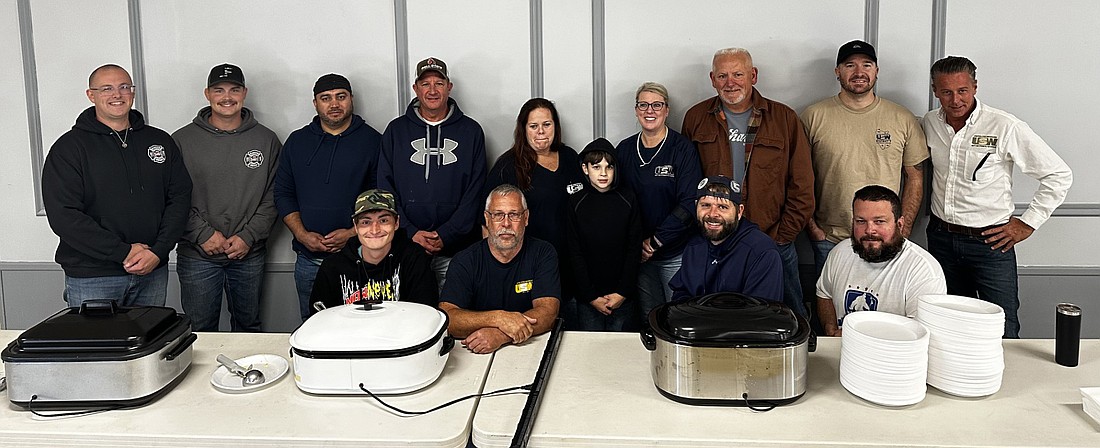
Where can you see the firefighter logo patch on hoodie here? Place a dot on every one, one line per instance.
(156, 154)
(253, 159)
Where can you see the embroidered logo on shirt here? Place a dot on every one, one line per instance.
(664, 171)
(574, 187)
(524, 286)
(253, 159)
(882, 138)
(984, 141)
(156, 154)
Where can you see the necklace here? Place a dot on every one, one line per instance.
(121, 138)
(638, 148)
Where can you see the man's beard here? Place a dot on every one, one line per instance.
(721, 234)
(885, 252)
(499, 243)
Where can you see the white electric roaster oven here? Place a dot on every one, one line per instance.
(390, 347)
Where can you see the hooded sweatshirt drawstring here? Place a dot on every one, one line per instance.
(126, 170)
(331, 156)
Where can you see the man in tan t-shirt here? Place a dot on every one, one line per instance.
(858, 139)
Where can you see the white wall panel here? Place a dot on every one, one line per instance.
(1037, 62)
(486, 46)
(70, 42)
(904, 51)
(791, 43)
(567, 63)
(282, 47)
(1062, 241)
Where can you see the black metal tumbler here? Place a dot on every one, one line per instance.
(1067, 335)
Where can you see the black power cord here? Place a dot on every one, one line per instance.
(523, 389)
(30, 407)
(769, 405)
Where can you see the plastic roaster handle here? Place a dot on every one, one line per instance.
(648, 340)
(448, 344)
(99, 307)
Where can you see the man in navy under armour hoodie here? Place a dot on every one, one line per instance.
(117, 194)
(732, 254)
(433, 159)
(323, 168)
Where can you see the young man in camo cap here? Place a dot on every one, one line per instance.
(381, 264)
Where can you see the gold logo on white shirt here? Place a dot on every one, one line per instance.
(984, 141)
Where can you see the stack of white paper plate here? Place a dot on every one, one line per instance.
(884, 358)
(965, 356)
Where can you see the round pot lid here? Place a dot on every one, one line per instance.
(384, 327)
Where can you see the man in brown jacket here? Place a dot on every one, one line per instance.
(760, 143)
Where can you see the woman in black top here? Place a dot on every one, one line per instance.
(546, 170)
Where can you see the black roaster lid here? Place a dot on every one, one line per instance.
(726, 319)
(99, 329)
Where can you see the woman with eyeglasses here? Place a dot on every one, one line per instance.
(663, 168)
(547, 171)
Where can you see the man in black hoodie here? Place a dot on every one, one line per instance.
(433, 160)
(381, 264)
(117, 194)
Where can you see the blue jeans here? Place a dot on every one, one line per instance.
(305, 272)
(973, 269)
(792, 282)
(653, 290)
(126, 290)
(202, 283)
(821, 253)
(592, 320)
(440, 264)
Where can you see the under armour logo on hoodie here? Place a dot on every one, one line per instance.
(421, 152)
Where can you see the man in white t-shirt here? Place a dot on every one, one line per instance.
(882, 271)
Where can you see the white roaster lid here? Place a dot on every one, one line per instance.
(389, 325)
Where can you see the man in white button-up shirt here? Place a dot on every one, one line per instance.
(974, 147)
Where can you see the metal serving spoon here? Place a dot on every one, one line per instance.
(251, 377)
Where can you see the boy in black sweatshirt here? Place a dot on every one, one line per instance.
(603, 228)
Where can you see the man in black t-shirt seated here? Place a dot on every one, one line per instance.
(504, 288)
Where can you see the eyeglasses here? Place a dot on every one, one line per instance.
(656, 105)
(512, 216)
(123, 89)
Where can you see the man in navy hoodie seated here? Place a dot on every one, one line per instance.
(323, 168)
(433, 160)
(117, 194)
(732, 254)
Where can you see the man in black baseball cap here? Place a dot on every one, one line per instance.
(731, 254)
(225, 73)
(324, 166)
(859, 138)
(232, 158)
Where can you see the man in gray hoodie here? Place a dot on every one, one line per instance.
(232, 159)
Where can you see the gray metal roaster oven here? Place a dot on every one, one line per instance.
(728, 349)
(99, 356)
